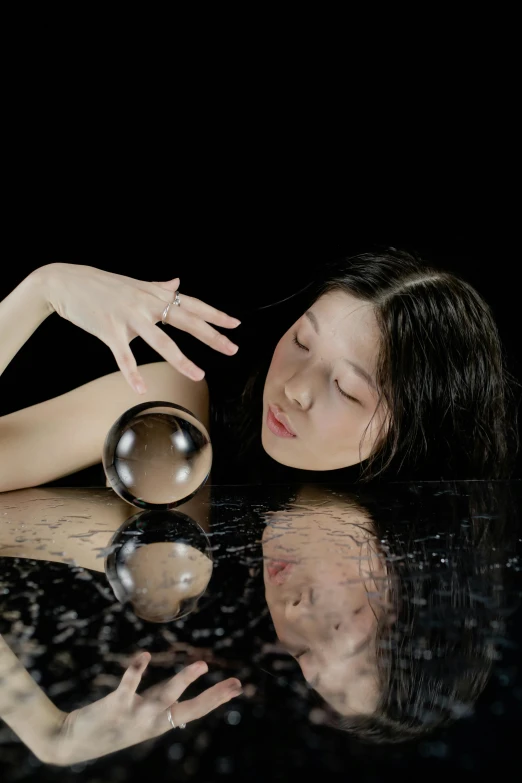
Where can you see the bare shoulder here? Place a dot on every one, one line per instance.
(65, 434)
(162, 377)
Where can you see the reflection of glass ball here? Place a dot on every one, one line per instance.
(157, 455)
(160, 562)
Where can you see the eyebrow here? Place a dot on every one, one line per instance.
(360, 371)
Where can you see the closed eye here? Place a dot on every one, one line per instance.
(304, 348)
(296, 342)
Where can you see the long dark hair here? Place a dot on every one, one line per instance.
(451, 599)
(441, 373)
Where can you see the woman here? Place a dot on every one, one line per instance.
(395, 367)
(430, 397)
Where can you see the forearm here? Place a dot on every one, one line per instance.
(25, 707)
(21, 313)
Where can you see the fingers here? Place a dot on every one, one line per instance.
(167, 692)
(127, 364)
(207, 312)
(209, 700)
(167, 348)
(200, 329)
(133, 674)
(190, 304)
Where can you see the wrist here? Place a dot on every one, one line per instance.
(50, 745)
(27, 709)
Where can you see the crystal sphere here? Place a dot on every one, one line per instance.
(157, 455)
(161, 563)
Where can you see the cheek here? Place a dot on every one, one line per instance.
(339, 583)
(280, 358)
(277, 616)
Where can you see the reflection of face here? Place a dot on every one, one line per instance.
(323, 602)
(306, 386)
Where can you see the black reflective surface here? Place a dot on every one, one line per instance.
(375, 632)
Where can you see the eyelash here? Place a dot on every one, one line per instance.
(303, 348)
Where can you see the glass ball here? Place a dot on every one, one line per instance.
(157, 455)
(160, 563)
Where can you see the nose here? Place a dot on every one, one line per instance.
(298, 390)
(297, 606)
(302, 386)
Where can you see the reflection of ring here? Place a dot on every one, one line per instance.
(176, 301)
(169, 716)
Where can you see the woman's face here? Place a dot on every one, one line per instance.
(306, 386)
(324, 585)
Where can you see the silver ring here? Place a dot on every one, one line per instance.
(169, 716)
(176, 301)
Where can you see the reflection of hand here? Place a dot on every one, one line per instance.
(116, 309)
(125, 718)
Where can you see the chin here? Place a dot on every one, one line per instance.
(275, 453)
(293, 461)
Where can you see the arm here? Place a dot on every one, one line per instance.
(114, 308)
(21, 313)
(119, 720)
(60, 436)
(65, 434)
(25, 707)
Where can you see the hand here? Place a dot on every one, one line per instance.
(124, 718)
(116, 309)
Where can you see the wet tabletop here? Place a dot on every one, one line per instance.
(372, 630)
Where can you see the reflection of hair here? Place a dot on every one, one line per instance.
(448, 607)
(440, 372)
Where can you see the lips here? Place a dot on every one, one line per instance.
(278, 422)
(279, 570)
